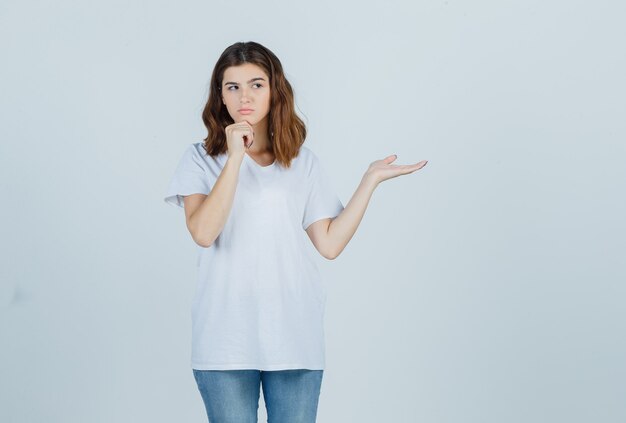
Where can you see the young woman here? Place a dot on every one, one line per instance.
(249, 191)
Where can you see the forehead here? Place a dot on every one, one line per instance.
(243, 73)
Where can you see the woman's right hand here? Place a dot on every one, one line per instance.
(239, 137)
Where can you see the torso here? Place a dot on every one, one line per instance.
(264, 159)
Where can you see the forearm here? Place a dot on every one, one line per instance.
(208, 220)
(343, 227)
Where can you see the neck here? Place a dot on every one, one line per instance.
(262, 141)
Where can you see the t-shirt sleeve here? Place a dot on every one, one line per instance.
(322, 201)
(190, 177)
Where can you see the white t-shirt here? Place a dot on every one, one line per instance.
(259, 300)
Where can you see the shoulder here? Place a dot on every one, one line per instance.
(196, 149)
(307, 152)
(196, 153)
(305, 162)
(308, 157)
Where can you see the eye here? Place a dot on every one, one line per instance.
(235, 86)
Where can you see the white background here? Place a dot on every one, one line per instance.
(486, 287)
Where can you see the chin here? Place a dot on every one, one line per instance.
(250, 120)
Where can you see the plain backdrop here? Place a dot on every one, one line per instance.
(487, 287)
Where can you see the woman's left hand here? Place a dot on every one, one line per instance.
(381, 170)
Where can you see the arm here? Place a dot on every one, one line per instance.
(206, 215)
(330, 236)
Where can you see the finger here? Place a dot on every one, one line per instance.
(418, 165)
(415, 167)
(244, 130)
(246, 123)
(391, 158)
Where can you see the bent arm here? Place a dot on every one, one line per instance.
(330, 237)
(342, 228)
(206, 215)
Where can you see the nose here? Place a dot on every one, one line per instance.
(244, 96)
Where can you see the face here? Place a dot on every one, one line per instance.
(246, 87)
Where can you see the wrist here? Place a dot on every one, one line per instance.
(370, 180)
(237, 157)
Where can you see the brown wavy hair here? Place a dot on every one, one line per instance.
(287, 131)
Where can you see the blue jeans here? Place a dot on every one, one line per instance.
(232, 396)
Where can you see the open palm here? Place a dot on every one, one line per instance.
(381, 170)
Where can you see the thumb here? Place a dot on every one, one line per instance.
(391, 158)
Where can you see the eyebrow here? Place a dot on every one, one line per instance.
(252, 80)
